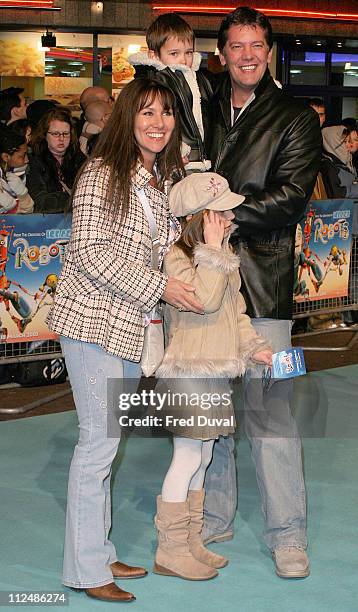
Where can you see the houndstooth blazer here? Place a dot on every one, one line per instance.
(106, 285)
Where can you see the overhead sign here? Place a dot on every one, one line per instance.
(29, 4)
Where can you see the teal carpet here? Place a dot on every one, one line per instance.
(35, 456)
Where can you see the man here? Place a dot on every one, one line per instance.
(12, 105)
(89, 95)
(268, 147)
(318, 105)
(96, 115)
(94, 94)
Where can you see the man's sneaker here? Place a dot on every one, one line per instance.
(291, 562)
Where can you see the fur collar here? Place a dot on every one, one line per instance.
(142, 59)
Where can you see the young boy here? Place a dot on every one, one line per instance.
(172, 60)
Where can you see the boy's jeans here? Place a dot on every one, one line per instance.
(275, 450)
(88, 550)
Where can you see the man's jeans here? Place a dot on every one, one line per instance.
(88, 550)
(275, 450)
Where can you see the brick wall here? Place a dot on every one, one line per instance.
(133, 15)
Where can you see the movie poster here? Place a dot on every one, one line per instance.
(32, 249)
(322, 253)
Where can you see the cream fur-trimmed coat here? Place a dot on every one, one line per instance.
(222, 341)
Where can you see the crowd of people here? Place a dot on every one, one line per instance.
(136, 177)
(45, 146)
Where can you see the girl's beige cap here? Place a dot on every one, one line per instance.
(202, 190)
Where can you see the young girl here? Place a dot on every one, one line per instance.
(14, 197)
(216, 345)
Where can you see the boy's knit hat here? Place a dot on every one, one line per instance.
(202, 190)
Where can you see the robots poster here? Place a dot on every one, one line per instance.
(32, 249)
(322, 253)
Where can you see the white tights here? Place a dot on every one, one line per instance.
(187, 469)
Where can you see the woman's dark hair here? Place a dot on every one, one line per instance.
(10, 139)
(117, 146)
(244, 16)
(9, 98)
(40, 148)
(192, 234)
(21, 126)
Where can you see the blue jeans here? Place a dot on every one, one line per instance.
(88, 551)
(276, 452)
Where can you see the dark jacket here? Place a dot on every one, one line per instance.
(176, 81)
(271, 155)
(44, 186)
(337, 169)
(338, 179)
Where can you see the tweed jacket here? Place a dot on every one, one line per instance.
(221, 342)
(107, 285)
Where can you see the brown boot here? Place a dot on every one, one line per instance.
(173, 557)
(196, 546)
(109, 592)
(121, 570)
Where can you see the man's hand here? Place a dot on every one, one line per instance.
(181, 296)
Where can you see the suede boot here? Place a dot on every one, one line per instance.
(196, 546)
(173, 557)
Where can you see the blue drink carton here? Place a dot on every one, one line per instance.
(288, 364)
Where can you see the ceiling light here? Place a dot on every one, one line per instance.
(133, 49)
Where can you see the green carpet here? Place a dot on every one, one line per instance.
(35, 456)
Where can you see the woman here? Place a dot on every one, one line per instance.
(106, 287)
(202, 354)
(54, 163)
(14, 197)
(338, 173)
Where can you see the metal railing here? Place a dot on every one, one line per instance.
(332, 305)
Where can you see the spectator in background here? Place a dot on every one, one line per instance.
(338, 173)
(351, 142)
(37, 109)
(96, 115)
(54, 163)
(89, 95)
(23, 127)
(318, 105)
(14, 197)
(93, 94)
(12, 105)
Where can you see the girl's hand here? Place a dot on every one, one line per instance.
(214, 228)
(263, 357)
